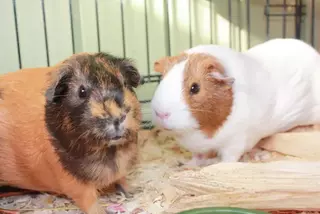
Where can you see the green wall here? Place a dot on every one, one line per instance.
(191, 22)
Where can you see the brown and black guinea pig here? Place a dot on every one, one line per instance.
(70, 129)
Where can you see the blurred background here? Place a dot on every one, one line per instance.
(37, 33)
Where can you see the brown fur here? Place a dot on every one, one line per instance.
(165, 64)
(112, 108)
(28, 157)
(97, 109)
(212, 105)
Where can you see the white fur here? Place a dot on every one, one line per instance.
(169, 98)
(277, 87)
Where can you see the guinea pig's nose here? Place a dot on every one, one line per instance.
(162, 116)
(119, 120)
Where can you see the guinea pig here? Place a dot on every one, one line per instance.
(217, 99)
(72, 128)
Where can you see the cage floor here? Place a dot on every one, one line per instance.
(160, 156)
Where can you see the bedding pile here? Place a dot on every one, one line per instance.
(160, 157)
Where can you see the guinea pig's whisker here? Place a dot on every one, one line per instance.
(83, 134)
(59, 114)
(87, 141)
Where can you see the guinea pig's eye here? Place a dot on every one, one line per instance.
(82, 92)
(195, 88)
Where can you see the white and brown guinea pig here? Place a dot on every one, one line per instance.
(70, 129)
(218, 99)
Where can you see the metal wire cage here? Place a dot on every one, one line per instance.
(298, 13)
(286, 10)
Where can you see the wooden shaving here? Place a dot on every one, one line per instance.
(160, 158)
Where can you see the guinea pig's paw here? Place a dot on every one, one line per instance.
(193, 163)
(123, 189)
(198, 161)
(211, 161)
(260, 155)
(252, 155)
(124, 192)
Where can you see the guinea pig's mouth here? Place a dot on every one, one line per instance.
(114, 134)
(116, 138)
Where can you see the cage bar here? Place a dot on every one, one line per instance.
(147, 37)
(123, 30)
(312, 21)
(211, 34)
(240, 23)
(45, 31)
(71, 26)
(230, 22)
(167, 19)
(298, 15)
(17, 32)
(190, 25)
(267, 14)
(284, 21)
(97, 24)
(248, 23)
(269, 11)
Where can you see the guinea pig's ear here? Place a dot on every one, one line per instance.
(222, 78)
(130, 73)
(160, 65)
(163, 64)
(59, 87)
(216, 72)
